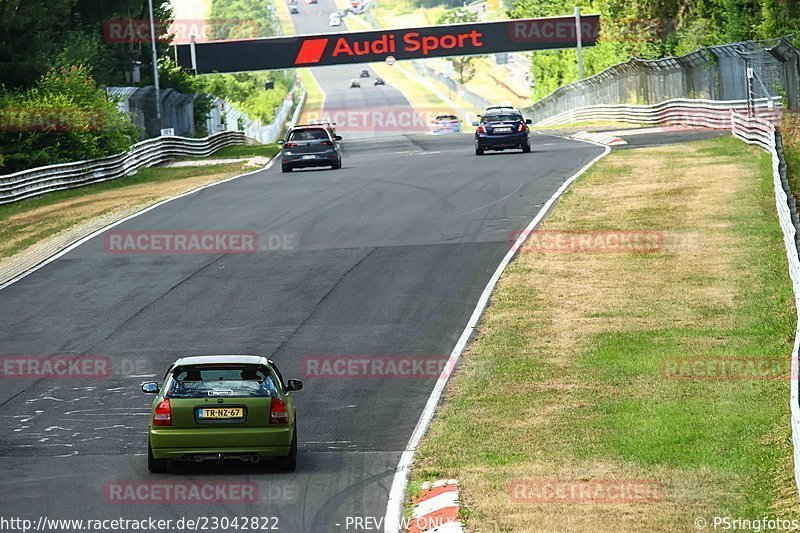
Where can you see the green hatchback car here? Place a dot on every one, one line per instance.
(222, 407)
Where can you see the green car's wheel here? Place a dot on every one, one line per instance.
(155, 466)
(289, 463)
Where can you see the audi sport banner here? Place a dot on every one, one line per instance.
(405, 43)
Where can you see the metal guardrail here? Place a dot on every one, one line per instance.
(680, 111)
(715, 73)
(41, 180)
(764, 134)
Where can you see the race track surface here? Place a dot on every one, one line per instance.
(385, 257)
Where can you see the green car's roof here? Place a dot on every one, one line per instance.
(212, 359)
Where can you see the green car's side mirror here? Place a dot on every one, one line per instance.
(151, 387)
(294, 384)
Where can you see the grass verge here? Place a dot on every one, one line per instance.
(26, 223)
(315, 97)
(791, 148)
(564, 380)
(284, 17)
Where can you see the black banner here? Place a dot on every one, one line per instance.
(406, 43)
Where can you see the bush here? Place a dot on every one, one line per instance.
(246, 91)
(65, 117)
(790, 130)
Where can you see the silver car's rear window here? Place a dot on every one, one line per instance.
(229, 381)
(309, 134)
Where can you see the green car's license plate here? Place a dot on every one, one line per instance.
(214, 413)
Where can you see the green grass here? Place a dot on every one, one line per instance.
(315, 98)
(38, 229)
(791, 150)
(721, 446)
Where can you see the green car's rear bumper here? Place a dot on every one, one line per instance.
(172, 443)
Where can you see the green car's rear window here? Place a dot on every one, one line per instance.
(228, 381)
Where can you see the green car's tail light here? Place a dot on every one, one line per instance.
(277, 412)
(163, 414)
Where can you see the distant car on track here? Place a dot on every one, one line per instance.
(335, 21)
(293, 10)
(364, 73)
(310, 1)
(222, 407)
(354, 84)
(446, 124)
(310, 146)
(378, 81)
(501, 129)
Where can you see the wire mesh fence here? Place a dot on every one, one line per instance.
(739, 71)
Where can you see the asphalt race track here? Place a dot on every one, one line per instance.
(381, 100)
(385, 257)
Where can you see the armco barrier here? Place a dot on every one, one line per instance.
(38, 181)
(677, 112)
(764, 134)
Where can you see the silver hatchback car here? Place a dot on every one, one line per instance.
(310, 146)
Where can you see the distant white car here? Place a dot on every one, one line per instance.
(335, 21)
(446, 124)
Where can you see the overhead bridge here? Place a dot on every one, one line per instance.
(376, 45)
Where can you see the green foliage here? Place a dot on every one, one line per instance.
(238, 19)
(171, 76)
(65, 117)
(463, 66)
(246, 91)
(202, 107)
(456, 16)
(790, 129)
(38, 35)
(651, 30)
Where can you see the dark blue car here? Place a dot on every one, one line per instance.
(501, 129)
